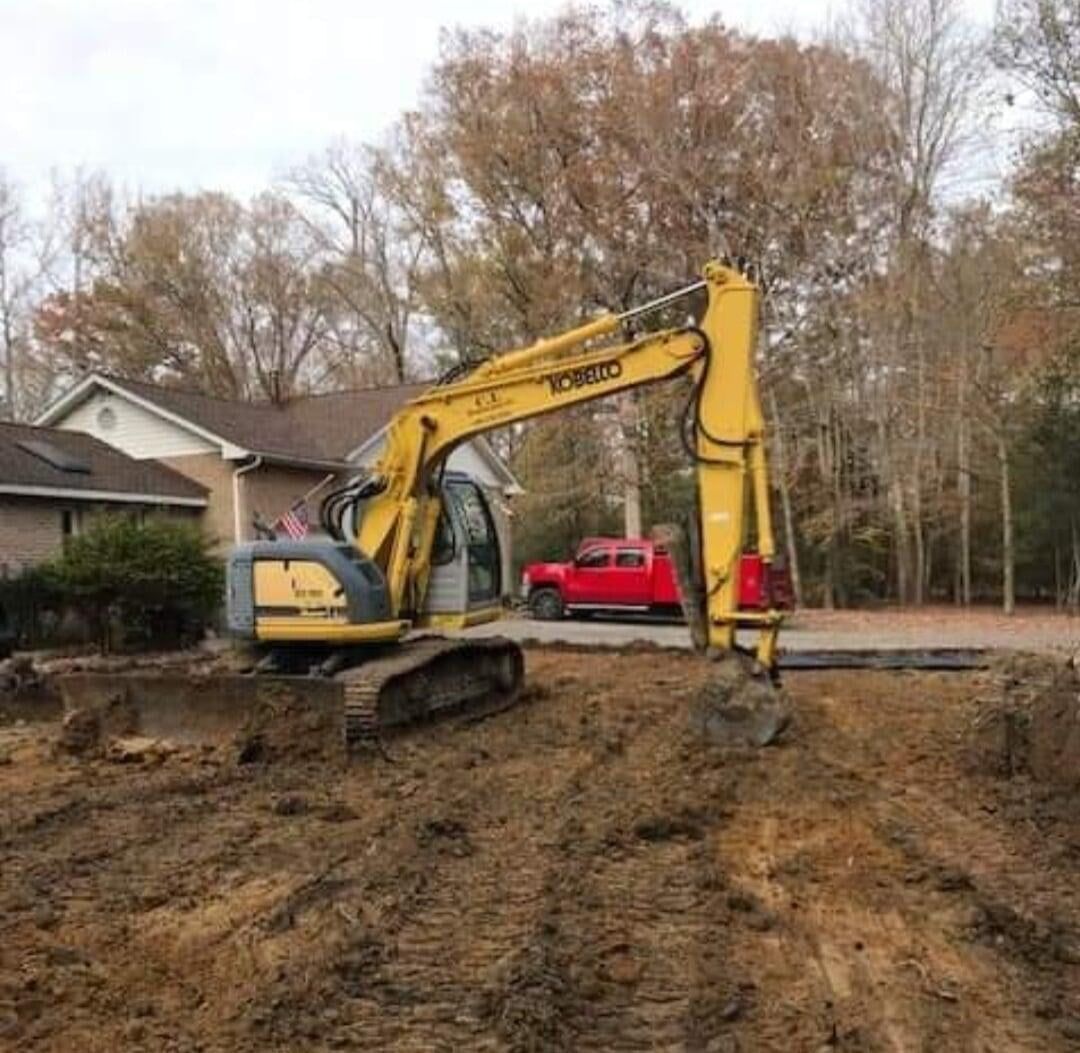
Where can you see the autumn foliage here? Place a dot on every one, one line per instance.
(918, 340)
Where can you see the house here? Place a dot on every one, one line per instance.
(259, 457)
(51, 480)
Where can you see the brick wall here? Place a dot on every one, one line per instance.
(30, 531)
(269, 489)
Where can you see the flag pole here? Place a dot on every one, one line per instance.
(307, 497)
(315, 489)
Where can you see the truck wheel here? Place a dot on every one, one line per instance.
(546, 605)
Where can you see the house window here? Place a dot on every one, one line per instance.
(70, 522)
(106, 418)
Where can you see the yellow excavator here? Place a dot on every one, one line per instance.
(412, 545)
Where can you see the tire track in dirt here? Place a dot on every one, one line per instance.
(447, 943)
(573, 875)
(596, 925)
(631, 931)
(442, 909)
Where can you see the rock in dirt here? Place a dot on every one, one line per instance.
(86, 730)
(738, 706)
(624, 968)
(80, 733)
(139, 749)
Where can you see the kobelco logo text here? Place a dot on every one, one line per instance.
(569, 379)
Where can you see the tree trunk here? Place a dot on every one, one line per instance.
(790, 548)
(826, 460)
(900, 528)
(1008, 553)
(963, 488)
(839, 516)
(1073, 600)
(631, 465)
(895, 502)
(919, 574)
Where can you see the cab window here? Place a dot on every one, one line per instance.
(594, 558)
(630, 557)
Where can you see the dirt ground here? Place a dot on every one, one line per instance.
(576, 874)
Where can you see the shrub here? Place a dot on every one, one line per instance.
(140, 584)
(30, 604)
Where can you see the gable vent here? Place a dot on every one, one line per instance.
(52, 455)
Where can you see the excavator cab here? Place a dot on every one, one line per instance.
(465, 586)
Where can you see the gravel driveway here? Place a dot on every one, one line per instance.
(1033, 630)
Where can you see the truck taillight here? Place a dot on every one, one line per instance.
(525, 583)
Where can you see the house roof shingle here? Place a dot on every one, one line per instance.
(108, 470)
(313, 427)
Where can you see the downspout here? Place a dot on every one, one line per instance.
(238, 519)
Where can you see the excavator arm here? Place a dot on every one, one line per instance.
(724, 436)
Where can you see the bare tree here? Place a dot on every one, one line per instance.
(932, 65)
(371, 256)
(13, 238)
(1038, 41)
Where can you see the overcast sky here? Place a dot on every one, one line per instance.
(167, 94)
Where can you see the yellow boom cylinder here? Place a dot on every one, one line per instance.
(549, 348)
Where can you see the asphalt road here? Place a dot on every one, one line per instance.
(864, 632)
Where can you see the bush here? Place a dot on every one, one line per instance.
(140, 584)
(30, 604)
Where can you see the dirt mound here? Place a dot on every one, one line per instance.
(87, 732)
(1030, 723)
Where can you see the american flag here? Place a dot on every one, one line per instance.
(294, 522)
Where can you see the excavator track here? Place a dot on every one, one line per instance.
(427, 676)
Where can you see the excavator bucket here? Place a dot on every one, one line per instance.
(741, 702)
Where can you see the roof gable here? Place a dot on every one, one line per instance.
(312, 429)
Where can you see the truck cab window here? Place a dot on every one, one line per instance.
(596, 557)
(630, 557)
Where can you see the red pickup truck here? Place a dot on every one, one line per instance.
(635, 575)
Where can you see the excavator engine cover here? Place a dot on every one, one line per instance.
(280, 583)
